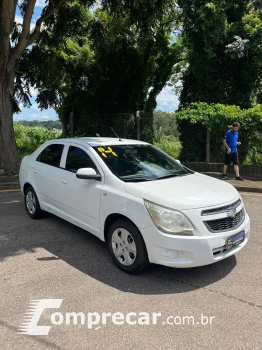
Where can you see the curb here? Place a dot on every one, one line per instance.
(238, 187)
(248, 189)
(10, 186)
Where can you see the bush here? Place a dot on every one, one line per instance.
(254, 156)
(30, 138)
(193, 123)
(166, 121)
(170, 145)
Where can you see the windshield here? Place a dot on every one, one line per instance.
(140, 162)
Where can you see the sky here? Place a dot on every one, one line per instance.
(166, 101)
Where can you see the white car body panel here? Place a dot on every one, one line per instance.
(88, 204)
(185, 192)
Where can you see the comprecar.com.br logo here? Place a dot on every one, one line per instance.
(95, 320)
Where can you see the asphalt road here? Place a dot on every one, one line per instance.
(52, 259)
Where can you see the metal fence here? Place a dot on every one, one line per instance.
(215, 150)
(198, 145)
(123, 125)
(201, 145)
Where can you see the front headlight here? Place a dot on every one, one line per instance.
(169, 221)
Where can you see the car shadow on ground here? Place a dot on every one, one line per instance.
(89, 255)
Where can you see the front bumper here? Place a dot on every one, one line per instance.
(191, 251)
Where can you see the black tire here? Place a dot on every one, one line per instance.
(32, 204)
(134, 240)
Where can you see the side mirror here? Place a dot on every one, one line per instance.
(88, 174)
(178, 161)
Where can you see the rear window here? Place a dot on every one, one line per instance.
(51, 155)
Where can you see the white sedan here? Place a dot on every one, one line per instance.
(146, 205)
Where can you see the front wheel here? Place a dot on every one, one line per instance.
(127, 247)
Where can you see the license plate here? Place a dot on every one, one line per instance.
(235, 240)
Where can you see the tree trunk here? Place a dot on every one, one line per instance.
(8, 150)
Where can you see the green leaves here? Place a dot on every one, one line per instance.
(210, 116)
(218, 118)
(30, 138)
(165, 124)
(129, 60)
(170, 145)
(223, 41)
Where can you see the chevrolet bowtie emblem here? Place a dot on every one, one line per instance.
(232, 213)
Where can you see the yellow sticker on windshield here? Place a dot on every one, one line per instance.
(109, 150)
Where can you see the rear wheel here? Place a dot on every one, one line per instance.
(127, 247)
(32, 204)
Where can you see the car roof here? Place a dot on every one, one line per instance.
(100, 141)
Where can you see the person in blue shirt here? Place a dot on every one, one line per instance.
(231, 156)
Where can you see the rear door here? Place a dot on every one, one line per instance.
(47, 176)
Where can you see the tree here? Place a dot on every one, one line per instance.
(28, 138)
(76, 65)
(224, 58)
(26, 56)
(14, 40)
(48, 124)
(194, 121)
(130, 62)
(167, 122)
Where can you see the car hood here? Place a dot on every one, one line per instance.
(185, 192)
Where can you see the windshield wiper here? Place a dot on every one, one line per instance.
(136, 179)
(167, 176)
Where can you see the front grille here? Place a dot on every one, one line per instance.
(226, 224)
(223, 209)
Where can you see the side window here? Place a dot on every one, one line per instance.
(77, 158)
(51, 155)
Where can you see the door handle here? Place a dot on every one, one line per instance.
(64, 182)
(35, 172)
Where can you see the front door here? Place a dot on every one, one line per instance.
(81, 198)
